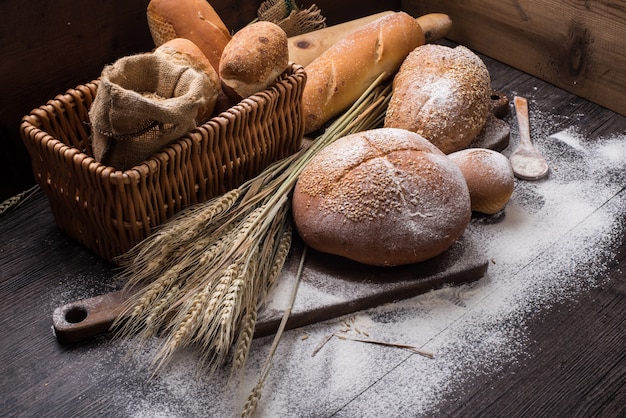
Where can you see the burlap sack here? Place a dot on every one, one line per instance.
(143, 103)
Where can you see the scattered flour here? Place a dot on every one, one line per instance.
(471, 329)
(480, 327)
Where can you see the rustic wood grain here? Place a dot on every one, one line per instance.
(576, 362)
(576, 366)
(577, 46)
(48, 47)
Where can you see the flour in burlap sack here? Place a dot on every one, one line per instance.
(143, 103)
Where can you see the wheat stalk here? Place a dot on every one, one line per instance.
(254, 397)
(201, 278)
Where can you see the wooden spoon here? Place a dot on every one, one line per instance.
(527, 162)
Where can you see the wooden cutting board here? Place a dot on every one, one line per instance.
(330, 287)
(333, 286)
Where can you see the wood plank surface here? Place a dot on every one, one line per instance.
(576, 366)
(578, 371)
(577, 46)
(574, 361)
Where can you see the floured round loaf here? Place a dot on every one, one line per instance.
(182, 51)
(489, 178)
(382, 197)
(441, 93)
(254, 59)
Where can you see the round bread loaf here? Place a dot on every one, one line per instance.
(182, 51)
(254, 59)
(441, 93)
(195, 20)
(489, 178)
(382, 197)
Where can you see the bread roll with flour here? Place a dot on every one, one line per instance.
(489, 178)
(340, 75)
(382, 197)
(184, 52)
(443, 94)
(254, 59)
(195, 20)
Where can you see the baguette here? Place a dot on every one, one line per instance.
(303, 49)
(195, 20)
(342, 73)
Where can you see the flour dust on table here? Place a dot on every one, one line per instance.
(470, 329)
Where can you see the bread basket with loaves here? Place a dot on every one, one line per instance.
(110, 210)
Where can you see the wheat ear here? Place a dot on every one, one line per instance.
(244, 227)
(255, 395)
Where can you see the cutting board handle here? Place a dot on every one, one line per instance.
(86, 318)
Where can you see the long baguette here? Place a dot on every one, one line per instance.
(303, 49)
(343, 72)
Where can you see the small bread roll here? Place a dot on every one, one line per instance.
(182, 51)
(254, 59)
(443, 94)
(382, 197)
(195, 20)
(489, 178)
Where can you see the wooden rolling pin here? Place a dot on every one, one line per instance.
(306, 47)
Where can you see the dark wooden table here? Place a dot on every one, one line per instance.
(574, 361)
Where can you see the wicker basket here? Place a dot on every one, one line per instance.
(109, 211)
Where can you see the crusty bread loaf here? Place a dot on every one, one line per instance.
(182, 51)
(441, 93)
(254, 59)
(489, 178)
(381, 197)
(305, 48)
(195, 20)
(342, 73)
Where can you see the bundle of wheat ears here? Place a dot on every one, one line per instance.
(202, 277)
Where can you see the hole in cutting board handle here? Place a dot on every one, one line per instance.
(499, 104)
(76, 314)
(77, 321)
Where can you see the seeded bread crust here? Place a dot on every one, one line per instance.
(381, 197)
(443, 94)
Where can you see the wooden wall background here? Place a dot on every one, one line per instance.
(579, 46)
(48, 47)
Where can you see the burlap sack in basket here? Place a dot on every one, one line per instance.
(143, 103)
